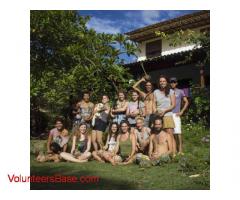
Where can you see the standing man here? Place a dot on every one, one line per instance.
(178, 112)
(148, 99)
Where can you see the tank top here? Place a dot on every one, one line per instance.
(86, 111)
(125, 147)
(112, 143)
(162, 101)
(82, 145)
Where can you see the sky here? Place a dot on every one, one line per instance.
(122, 21)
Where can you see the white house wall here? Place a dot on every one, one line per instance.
(166, 49)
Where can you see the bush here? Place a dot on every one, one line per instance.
(199, 109)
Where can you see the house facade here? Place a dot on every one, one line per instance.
(159, 57)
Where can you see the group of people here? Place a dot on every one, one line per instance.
(148, 126)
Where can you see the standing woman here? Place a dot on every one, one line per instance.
(135, 109)
(100, 122)
(165, 102)
(81, 146)
(118, 113)
(126, 143)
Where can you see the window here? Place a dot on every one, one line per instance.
(154, 49)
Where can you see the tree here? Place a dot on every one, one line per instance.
(67, 58)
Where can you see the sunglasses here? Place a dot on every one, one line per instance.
(173, 81)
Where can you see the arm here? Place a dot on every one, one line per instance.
(50, 138)
(128, 112)
(117, 145)
(88, 144)
(150, 146)
(121, 109)
(106, 144)
(142, 94)
(186, 103)
(154, 104)
(64, 147)
(111, 113)
(73, 144)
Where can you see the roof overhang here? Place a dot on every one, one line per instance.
(167, 61)
(194, 20)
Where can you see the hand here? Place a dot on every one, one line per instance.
(161, 113)
(127, 159)
(105, 148)
(86, 119)
(138, 146)
(179, 114)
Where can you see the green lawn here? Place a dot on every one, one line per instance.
(132, 176)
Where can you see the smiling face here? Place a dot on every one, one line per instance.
(162, 82)
(135, 96)
(105, 99)
(121, 96)
(157, 125)
(173, 84)
(83, 129)
(148, 86)
(114, 128)
(59, 125)
(124, 127)
(86, 97)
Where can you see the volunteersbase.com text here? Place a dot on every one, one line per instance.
(53, 179)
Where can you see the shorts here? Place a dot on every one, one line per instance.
(119, 118)
(100, 125)
(168, 122)
(177, 121)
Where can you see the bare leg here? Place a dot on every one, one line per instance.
(180, 143)
(130, 160)
(177, 141)
(96, 157)
(99, 139)
(85, 156)
(94, 137)
(109, 157)
(170, 131)
(71, 158)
